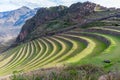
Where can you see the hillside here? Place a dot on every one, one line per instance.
(11, 23)
(16, 17)
(76, 47)
(80, 42)
(55, 18)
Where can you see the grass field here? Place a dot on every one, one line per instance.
(72, 48)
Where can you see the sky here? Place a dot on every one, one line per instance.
(7, 5)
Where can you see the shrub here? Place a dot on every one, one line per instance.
(84, 72)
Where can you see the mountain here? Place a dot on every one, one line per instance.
(55, 18)
(12, 21)
(16, 17)
(64, 38)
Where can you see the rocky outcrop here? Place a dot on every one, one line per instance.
(85, 8)
(73, 14)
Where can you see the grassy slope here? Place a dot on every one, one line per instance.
(67, 49)
(34, 57)
(111, 54)
(63, 49)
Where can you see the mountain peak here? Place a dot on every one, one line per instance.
(25, 7)
(88, 2)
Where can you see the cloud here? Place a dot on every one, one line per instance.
(66, 2)
(108, 3)
(34, 3)
(6, 5)
(13, 4)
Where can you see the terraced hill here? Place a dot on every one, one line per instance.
(76, 47)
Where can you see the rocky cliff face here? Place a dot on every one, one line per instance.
(42, 16)
(54, 17)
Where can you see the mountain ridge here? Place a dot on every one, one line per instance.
(11, 23)
(10, 18)
(58, 15)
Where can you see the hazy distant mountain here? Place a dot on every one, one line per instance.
(12, 21)
(16, 17)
